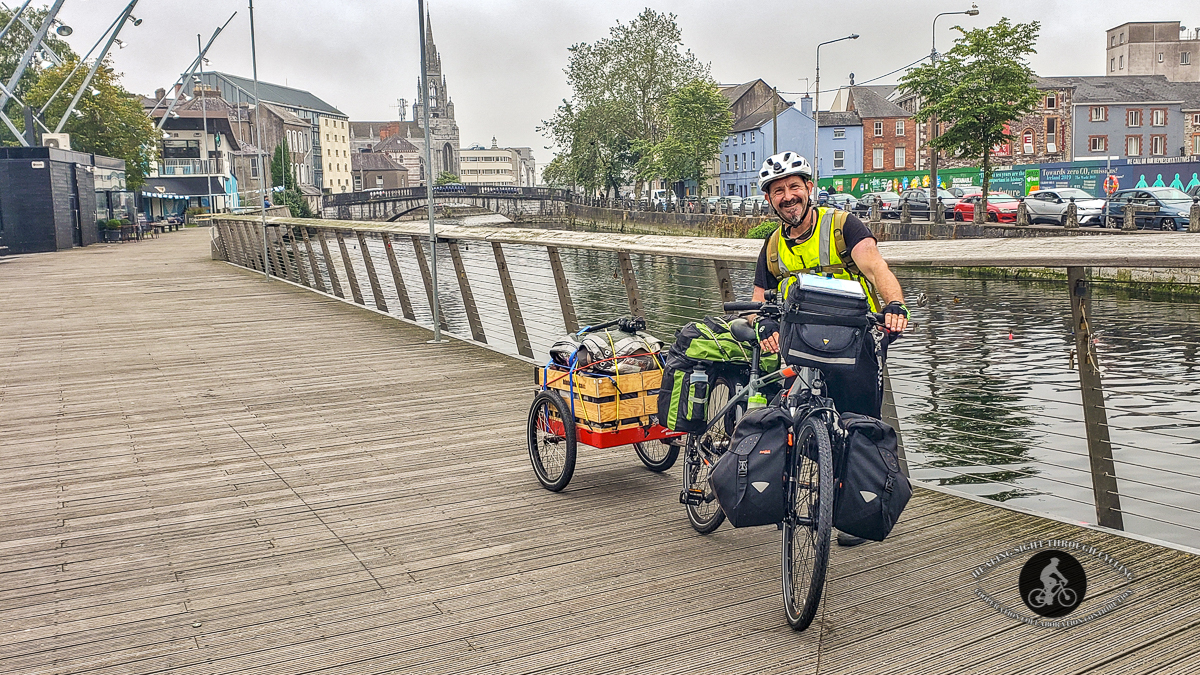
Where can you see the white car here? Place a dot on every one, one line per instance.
(1050, 206)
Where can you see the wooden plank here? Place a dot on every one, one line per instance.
(296, 260)
(318, 279)
(376, 290)
(631, 287)
(283, 265)
(330, 267)
(1100, 457)
(510, 299)
(427, 278)
(723, 283)
(464, 287)
(401, 290)
(351, 280)
(570, 321)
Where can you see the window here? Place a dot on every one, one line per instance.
(1099, 113)
(876, 158)
(379, 181)
(743, 137)
(1112, 65)
(1133, 146)
(839, 133)
(1196, 144)
(1051, 135)
(1158, 117)
(1122, 38)
(751, 136)
(1158, 144)
(744, 164)
(899, 127)
(1051, 101)
(357, 183)
(1195, 118)
(1121, 62)
(1133, 118)
(753, 161)
(879, 128)
(727, 163)
(1098, 143)
(1027, 142)
(1160, 57)
(1185, 58)
(839, 158)
(900, 157)
(735, 163)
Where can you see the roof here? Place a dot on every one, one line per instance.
(1125, 89)
(840, 119)
(397, 144)
(735, 91)
(360, 130)
(883, 90)
(761, 115)
(868, 103)
(373, 161)
(286, 117)
(275, 93)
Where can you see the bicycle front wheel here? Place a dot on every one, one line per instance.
(550, 435)
(807, 523)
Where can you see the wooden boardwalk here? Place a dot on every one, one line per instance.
(201, 472)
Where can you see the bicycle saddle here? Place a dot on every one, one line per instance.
(742, 331)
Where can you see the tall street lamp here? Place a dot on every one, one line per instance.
(817, 106)
(932, 125)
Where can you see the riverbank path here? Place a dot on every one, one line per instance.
(205, 472)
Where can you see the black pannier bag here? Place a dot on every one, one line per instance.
(872, 491)
(748, 479)
(824, 323)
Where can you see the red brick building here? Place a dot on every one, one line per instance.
(889, 133)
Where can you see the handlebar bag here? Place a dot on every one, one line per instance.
(871, 490)
(824, 323)
(748, 479)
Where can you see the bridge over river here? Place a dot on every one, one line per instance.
(206, 472)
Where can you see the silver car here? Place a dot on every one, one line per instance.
(1050, 206)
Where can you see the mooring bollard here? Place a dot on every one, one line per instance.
(1022, 212)
(939, 212)
(757, 212)
(905, 212)
(977, 217)
(742, 208)
(1072, 221)
(1194, 216)
(875, 207)
(1130, 214)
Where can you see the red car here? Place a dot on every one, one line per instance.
(1001, 208)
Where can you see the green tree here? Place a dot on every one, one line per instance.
(698, 120)
(283, 174)
(445, 178)
(620, 88)
(977, 89)
(107, 120)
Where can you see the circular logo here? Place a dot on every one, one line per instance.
(1052, 583)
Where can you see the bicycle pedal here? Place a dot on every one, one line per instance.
(691, 497)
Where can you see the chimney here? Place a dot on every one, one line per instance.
(178, 89)
(806, 105)
(494, 146)
(160, 94)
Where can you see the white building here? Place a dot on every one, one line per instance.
(497, 166)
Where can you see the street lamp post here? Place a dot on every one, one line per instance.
(262, 169)
(816, 164)
(932, 125)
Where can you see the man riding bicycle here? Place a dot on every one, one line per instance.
(824, 240)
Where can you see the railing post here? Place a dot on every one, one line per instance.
(891, 417)
(250, 245)
(876, 209)
(1194, 215)
(905, 212)
(510, 298)
(418, 246)
(284, 264)
(570, 321)
(1130, 216)
(351, 279)
(296, 261)
(329, 266)
(1104, 474)
(464, 287)
(1072, 222)
(376, 290)
(723, 282)
(401, 291)
(939, 213)
(631, 287)
(312, 262)
(1022, 212)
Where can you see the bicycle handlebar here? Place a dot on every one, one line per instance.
(742, 306)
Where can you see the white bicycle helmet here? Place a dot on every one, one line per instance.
(784, 164)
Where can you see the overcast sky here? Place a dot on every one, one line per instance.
(503, 59)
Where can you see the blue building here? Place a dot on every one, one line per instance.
(841, 144)
(756, 112)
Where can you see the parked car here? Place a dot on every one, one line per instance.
(1194, 191)
(734, 202)
(1001, 208)
(1163, 208)
(956, 191)
(889, 200)
(843, 200)
(918, 202)
(1050, 206)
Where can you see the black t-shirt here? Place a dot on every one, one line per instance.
(853, 231)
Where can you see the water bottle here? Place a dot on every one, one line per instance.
(698, 394)
(756, 400)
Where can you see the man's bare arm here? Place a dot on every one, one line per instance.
(866, 256)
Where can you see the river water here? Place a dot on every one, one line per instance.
(988, 400)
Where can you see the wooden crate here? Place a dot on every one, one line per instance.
(607, 402)
(600, 386)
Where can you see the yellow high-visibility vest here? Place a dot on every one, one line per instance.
(824, 251)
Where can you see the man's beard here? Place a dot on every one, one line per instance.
(787, 204)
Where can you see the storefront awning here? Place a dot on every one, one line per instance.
(182, 187)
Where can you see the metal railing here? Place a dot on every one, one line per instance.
(418, 193)
(190, 167)
(518, 291)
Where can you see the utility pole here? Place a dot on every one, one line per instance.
(774, 121)
(212, 205)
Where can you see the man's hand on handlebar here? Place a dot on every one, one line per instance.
(895, 317)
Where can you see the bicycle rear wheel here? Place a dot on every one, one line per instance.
(807, 523)
(706, 516)
(550, 436)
